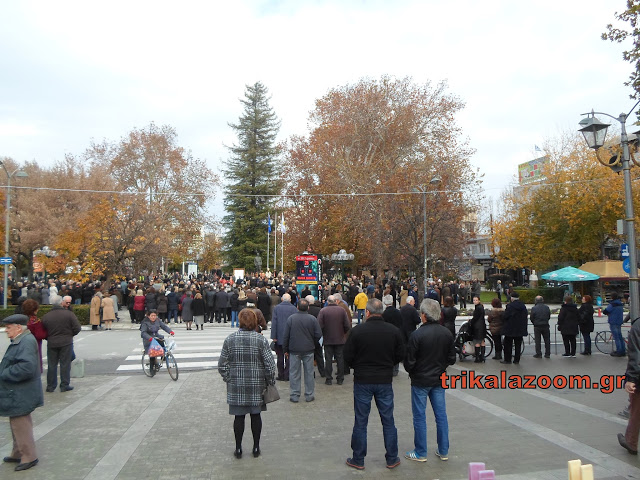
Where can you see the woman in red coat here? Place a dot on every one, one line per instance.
(30, 309)
(138, 306)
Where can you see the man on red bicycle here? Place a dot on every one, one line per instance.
(149, 328)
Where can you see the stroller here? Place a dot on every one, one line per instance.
(464, 343)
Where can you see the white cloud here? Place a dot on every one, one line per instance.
(82, 70)
(16, 129)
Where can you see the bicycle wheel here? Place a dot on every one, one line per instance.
(488, 345)
(172, 366)
(604, 342)
(146, 365)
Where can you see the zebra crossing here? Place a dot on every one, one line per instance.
(195, 349)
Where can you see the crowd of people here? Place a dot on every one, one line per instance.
(371, 351)
(392, 326)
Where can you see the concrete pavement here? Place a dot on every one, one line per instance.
(131, 426)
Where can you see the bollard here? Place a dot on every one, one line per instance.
(587, 472)
(486, 475)
(77, 368)
(577, 471)
(474, 470)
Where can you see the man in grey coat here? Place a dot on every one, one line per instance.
(21, 390)
(278, 325)
(540, 315)
(301, 334)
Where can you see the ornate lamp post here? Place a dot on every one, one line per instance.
(342, 256)
(20, 174)
(595, 132)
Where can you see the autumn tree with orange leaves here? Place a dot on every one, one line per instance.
(164, 190)
(118, 208)
(44, 204)
(353, 177)
(565, 218)
(109, 241)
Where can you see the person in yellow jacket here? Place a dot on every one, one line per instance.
(361, 303)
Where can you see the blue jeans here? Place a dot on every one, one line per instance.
(296, 361)
(234, 318)
(360, 315)
(616, 333)
(418, 407)
(383, 394)
(173, 314)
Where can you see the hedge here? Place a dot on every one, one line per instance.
(81, 311)
(550, 295)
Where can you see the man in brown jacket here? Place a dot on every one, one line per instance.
(334, 323)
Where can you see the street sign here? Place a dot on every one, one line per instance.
(626, 265)
(624, 250)
(6, 260)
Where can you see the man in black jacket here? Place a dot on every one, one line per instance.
(221, 305)
(514, 327)
(429, 352)
(372, 349)
(210, 304)
(62, 325)
(410, 318)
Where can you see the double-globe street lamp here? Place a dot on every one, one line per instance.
(19, 174)
(342, 256)
(595, 132)
(424, 189)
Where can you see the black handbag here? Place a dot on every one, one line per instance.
(272, 345)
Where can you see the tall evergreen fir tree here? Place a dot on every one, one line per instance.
(252, 176)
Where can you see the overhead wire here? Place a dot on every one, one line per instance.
(289, 195)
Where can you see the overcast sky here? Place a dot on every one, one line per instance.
(72, 71)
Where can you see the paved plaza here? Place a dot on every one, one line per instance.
(128, 426)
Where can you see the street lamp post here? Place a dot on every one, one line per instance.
(595, 132)
(423, 189)
(20, 174)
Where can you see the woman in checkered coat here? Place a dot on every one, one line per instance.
(247, 366)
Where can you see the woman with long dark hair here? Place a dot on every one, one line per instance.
(568, 320)
(478, 329)
(449, 314)
(586, 323)
(197, 308)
